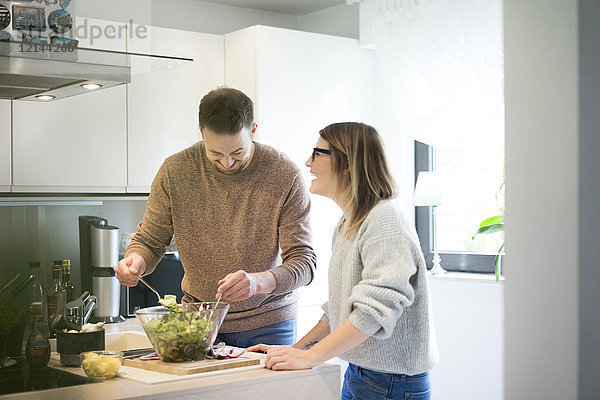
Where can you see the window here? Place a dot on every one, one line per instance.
(463, 209)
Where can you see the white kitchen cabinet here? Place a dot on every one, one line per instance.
(301, 82)
(163, 105)
(4, 145)
(76, 144)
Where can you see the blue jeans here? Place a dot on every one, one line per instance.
(362, 384)
(281, 333)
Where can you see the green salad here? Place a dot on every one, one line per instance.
(170, 302)
(179, 335)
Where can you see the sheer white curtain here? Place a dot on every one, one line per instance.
(443, 62)
(441, 81)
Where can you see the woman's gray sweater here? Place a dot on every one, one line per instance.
(378, 279)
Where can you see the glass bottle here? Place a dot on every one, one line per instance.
(66, 279)
(56, 296)
(37, 349)
(37, 288)
(37, 293)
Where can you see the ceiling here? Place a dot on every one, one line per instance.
(290, 7)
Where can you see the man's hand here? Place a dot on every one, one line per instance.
(241, 285)
(128, 268)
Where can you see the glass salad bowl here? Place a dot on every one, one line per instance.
(185, 332)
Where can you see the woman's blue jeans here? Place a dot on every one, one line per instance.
(281, 334)
(362, 384)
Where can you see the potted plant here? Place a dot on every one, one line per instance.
(493, 225)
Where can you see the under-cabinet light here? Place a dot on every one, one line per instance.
(45, 97)
(91, 86)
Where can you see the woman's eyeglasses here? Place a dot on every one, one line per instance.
(319, 150)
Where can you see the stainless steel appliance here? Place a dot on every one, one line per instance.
(106, 287)
(99, 256)
(85, 248)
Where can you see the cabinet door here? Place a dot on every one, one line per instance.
(332, 82)
(163, 105)
(300, 82)
(4, 145)
(77, 144)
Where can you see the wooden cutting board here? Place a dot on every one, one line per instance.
(192, 367)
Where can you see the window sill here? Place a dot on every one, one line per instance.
(466, 277)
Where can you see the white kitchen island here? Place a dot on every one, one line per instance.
(322, 382)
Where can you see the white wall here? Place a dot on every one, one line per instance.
(589, 207)
(399, 144)
(469, 323)
(541, 182)
(552, 208)
(340, 20)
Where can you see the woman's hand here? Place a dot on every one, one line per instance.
(342, 339)
(287, 357)
(260, 348)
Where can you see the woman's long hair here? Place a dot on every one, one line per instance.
(360, 173)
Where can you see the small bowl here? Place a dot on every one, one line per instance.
(100, 365)
(71, 345)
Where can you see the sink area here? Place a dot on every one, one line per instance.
(119, 341)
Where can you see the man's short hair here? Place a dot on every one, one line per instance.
(226, 111)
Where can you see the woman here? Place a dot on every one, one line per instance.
(378, 315)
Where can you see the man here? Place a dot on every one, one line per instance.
(240, 213)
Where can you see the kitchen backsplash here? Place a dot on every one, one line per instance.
(51, 231)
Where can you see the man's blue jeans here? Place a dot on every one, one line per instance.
(281, 334)
(361, 383)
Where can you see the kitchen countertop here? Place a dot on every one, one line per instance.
(321, 382)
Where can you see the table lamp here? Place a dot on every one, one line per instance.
(428, 193)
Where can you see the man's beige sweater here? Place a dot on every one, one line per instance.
(254, 220)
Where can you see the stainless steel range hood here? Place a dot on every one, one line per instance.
(26, 75)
